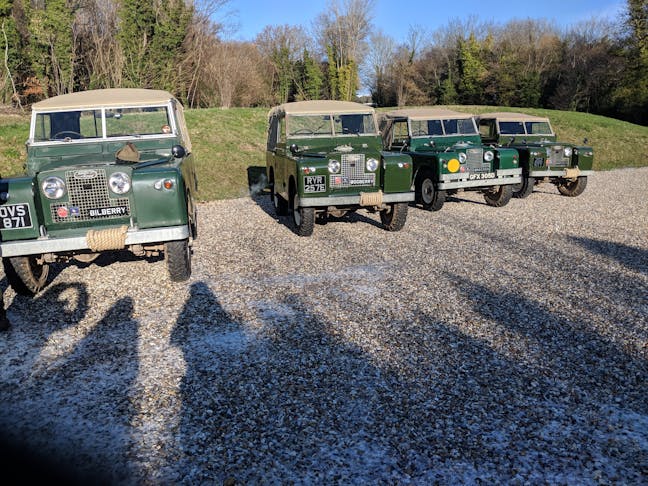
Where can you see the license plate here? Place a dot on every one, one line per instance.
(115, 211)
(486, 175)
(315, 184)
(13, 216)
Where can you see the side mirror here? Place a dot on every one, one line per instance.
(178, 151)
(294, 149)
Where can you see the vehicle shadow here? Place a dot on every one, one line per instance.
(105, 259)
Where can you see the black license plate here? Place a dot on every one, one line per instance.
(315, 183)
(112, 212)
(14, 216)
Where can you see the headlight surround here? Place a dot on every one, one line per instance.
(119, 182)
(462, 157)
(53, 187)
(567, 151)
(334, 166)
(489, 156)
(371, 164)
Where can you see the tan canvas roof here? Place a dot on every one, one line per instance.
(104, 97)
(510, 116)
(320, 107)
(427, 114)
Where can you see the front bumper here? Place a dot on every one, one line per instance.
(460, 181)
(562, 173)
(77, 243)
(314, 202)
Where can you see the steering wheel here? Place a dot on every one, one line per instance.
(419, 133)
(304, 131)
(66, 134)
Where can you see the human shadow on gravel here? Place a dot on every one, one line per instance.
(56, 437)
(634, 258)
(296, 401)
(276, 404)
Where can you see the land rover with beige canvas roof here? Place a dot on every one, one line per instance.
(106, 170)
(542, 157)
(449, 157)
(325, 158)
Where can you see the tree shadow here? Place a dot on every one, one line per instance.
(631, 257)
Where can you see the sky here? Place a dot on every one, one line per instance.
(248, 17)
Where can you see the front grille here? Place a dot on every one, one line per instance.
(475, 160)
(352, 173)
(87, 190)
(557, 156)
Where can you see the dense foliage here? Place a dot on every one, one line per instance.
(51, 47)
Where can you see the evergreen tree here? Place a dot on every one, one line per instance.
(472, 71)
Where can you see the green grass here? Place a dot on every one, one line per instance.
(230, 144)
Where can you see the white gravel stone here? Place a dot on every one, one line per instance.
(479, 344)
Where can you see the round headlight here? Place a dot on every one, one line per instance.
(462, 157)
(53, 187)
(567, 151)
(489, 156)
(119, 183)
(334, 166)
(372, 164)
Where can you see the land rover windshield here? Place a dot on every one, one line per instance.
(89, 124)
(331, 125)
(443, 127)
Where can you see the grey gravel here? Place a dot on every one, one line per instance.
(478, 345)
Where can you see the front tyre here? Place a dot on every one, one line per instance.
(304, 218)
(25, 275)
(393, 218)
(573, 188)
(178, 258)
(430, 197)
(499, 197)
(524, 188)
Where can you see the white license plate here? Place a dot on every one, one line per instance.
(314, 184)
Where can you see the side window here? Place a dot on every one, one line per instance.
(282, 130)
(272, 133)
(400, 133)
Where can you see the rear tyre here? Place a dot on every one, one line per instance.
(304, 218)
(393, 218)
(178, 258)
(429, 196)
(499, 197)
(524, 188)
(279, 203)
(25, 275)
(573, 188)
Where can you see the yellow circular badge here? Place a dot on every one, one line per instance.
(453, 165)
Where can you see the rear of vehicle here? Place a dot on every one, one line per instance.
(542, 157)
(324, 159)
(104, 173)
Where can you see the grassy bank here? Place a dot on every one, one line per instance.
(231, 143)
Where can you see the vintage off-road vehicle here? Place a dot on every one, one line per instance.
(449, 157)
(542, 158)
(106, 170)
(324, 158)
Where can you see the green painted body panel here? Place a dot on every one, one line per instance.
(20, 191)
(159, 207)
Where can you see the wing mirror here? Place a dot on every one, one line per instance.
(178, 151)
(294, 149)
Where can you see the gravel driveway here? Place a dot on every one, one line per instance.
(477, 345)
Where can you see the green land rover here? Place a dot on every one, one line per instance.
(449, 156)
(106, 170)
(325, 158)
(542, 158)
